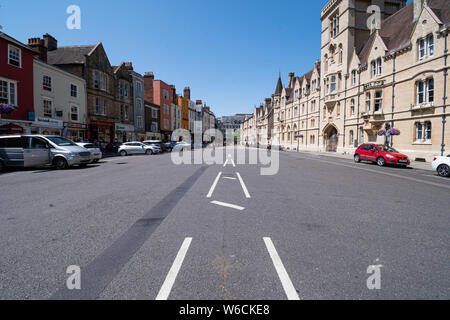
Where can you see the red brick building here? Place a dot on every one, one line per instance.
(16, 85)
(161, 94)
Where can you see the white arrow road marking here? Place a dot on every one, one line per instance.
(247, 194)
(213, 187)
(173, 272)
(282, 273)
(230, 158)
(228, 205)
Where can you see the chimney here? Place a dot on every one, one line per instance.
(174, 94)
(418, 6)
(149, 77)
(187, 93)
(50, 43)
(291, 78)
(38, 45)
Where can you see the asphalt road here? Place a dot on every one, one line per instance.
(143, 228)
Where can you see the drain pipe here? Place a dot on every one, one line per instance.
(444, 117)
(393, 98)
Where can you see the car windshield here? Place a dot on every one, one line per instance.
(61, 142)
(387, 149)
(89, 146)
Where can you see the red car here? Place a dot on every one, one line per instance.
(381, 155)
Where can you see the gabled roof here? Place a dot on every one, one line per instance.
(17, 42)
(69, 55)
(397, 29)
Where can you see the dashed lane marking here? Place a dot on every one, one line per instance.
(213, 187)
(288, 287)
(244, 187)
(166, 288)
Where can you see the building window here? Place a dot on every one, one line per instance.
(352, 107)
(334, 25)
(139, 121)
(48, 108)
(47, 83)
(426, 47)
(352, 138)
(362, 135)
(105, 107)
(166, 124)
(313, 123)
(14, 56)
(354, 78)
(425, 91)
(74, 113)
(154, 114)
(154, 127)
(123, 89)
(8, 92)
(333, 83)
(338, 109)
(378, 101)
(100, 108)
(368, 102)
(166, 109)
(73, 91)
(428, 131)
(379, 67)
(166, 94)
(96, 80)
(103, 82)
(313, 105)
(419, 131)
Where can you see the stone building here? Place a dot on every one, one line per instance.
(381, 81)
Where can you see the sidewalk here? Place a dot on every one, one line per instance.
(414, 164)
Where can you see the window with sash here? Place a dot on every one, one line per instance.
(425, 91)
(47, 108)
(14, 56)
(8, 92)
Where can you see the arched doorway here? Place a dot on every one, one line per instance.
(331, 138)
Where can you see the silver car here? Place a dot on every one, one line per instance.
(97, 154)
(131, 148)
(37, 150)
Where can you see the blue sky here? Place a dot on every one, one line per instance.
(228, 52)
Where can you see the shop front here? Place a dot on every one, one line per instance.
(75, 131)
(101, 131)
(10, 128)
(124, 132)
(47, 126)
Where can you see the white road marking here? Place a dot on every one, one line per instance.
(230, 178)
(247, 194)
(232, 162)
(173, 272)
(226, 162)
(213, 187)
(228, 205)
(288, 287)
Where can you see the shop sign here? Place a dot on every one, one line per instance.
(46, 122)
(124, 127)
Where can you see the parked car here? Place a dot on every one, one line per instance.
(180, 146)
(25, 151)
(442, 166)
(97, 154)
(381, 155)
(131, 148)
(156, 143)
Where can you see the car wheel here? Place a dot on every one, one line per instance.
(149, 152)
(357, 158)
(123, 153)
(60, 164)
(444, 170)
(381, 161)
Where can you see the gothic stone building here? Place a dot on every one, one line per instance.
(392, 75)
